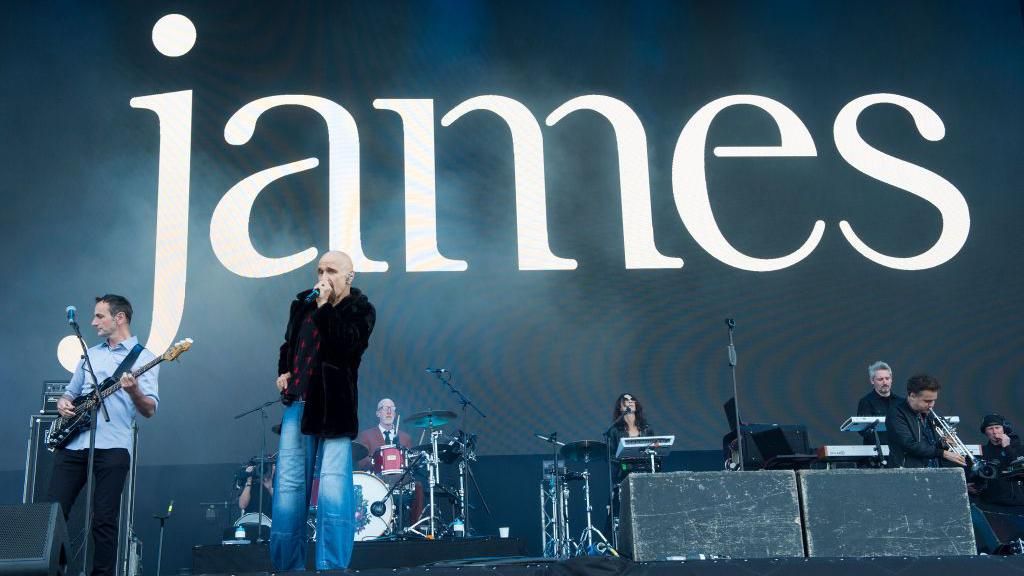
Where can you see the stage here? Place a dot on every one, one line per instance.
(606, 566)
(370, 555)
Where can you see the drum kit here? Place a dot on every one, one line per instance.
(555, 494)
(384, 495)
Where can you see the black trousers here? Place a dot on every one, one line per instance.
(67, 481)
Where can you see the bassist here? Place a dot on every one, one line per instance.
(112, 321)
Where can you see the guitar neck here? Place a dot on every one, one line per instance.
(116, 385)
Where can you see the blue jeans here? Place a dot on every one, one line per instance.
(335, 514)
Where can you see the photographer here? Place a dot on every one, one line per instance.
(249, 502)
(1003, 447)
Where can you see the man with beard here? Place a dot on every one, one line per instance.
(879, 400)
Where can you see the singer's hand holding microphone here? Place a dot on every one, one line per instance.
(321, 293)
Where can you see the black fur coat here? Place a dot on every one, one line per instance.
(332, 400)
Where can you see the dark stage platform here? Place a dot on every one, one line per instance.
(1002, 565)
(241, 558)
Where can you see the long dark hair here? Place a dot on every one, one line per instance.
(641, 422)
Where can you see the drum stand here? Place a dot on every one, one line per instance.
(433, 475)
(590, 530)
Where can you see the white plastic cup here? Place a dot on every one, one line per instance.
(503, 531)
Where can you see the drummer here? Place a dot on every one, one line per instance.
(383, 434)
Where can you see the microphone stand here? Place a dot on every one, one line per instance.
(160, 548)
(611, 484)
(262, 408)
(735, 391)
(379, 507)
(90, 467)
(447, 378)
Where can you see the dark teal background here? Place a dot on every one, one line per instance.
(538, 351)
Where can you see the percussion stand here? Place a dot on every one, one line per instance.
(433, 473)
(590, 530)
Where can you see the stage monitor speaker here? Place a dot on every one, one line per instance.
(33, 540)
(896, 512)
(726, 514)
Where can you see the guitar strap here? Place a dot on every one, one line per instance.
(126, 364)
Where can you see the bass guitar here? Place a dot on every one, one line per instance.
(65, 428)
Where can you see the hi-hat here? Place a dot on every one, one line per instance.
(430, 419)
(582, 450)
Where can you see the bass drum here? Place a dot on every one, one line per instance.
(369, 489)
(256, 525)
(252, 519)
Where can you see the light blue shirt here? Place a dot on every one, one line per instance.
(118, 432)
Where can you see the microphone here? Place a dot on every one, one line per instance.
(71, 311)
(313, 295)
(731, 323)
(628, 410)
(437, 370)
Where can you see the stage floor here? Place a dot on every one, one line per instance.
(604, 566)
(491, 556)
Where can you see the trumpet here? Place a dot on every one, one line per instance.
(948, 433)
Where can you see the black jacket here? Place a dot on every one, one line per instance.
(332, 400)
(908, 446)
(874, 405)
(1003, 491)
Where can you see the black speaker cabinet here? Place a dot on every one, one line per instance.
(896, 512)
(39, 467)
(795, 435)
(728, 514)
(33, 540)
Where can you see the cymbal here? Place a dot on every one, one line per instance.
(582, 449)
(430, 419)
(359, 451)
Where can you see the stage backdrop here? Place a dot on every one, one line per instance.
(555, 201)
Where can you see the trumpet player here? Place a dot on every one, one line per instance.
(913, 439)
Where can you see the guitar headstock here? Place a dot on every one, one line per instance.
(179, 348)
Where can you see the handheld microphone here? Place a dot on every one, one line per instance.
(313, 295)
(71, 311)
(437, 370)
(730, 323)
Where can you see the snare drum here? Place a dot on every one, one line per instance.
(369, 489)
(388, 459)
